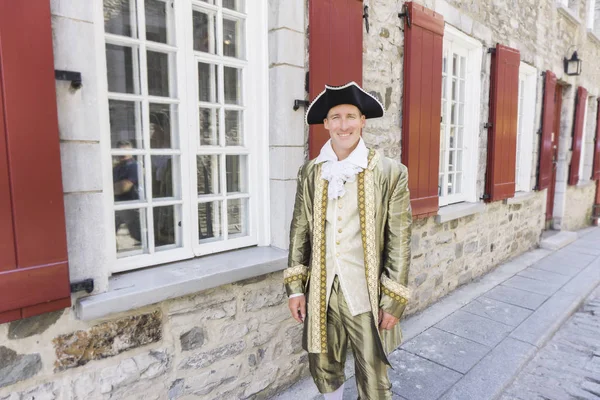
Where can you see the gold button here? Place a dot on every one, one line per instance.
(339, 218)
(337, 242)
(339, 206)
(340, 230)
(337, 254)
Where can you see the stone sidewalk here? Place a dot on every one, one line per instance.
(472, 344)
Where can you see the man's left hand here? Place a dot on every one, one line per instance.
(386, 321)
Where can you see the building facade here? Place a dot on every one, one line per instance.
(165, 173)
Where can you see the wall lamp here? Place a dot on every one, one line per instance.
(573, 64)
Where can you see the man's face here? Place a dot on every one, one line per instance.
(344, 123)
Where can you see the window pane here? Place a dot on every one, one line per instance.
(451, 160)
(120, 66)
(453, 113)
(163, 126)
(209, 1)
(233, 128)
(233, 81)
(209, 221)
(459, 161)
(125, 124)
(156, 20)
(460, 137)
(158, 74)
(208, 174)
(131, 231)
(204, 34)
(440, 185)
(454, 65)
(458, 180)
(236, 174)
(207, 82)
(454, 89)
(450, 184)
(452, 142)
(166, 226)
(237, 217)
(163, 174)
(463, 67)
(120, 17)
(209, 127)
(128, 176)
(237, 5)
(461, 114)
(233, 34)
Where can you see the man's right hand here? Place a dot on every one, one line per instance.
(298, 307)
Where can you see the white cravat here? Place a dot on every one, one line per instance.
(339, 172)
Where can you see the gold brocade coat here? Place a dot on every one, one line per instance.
(385, 220)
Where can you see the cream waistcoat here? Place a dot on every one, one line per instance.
(345, 255)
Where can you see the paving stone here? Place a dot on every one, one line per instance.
(416, 378)
(585, 248)
(545, 276)
(476, 328)
(544, 321)
(586, 281)
(565, 262)
(449, 350)
(488, 378)
(532, 285)
(499, 311)
(517, 297)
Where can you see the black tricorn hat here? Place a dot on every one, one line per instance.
(349, 93)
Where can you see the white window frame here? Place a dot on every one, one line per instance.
(584, 176)
(473, 49)
(593, 13)
(255, 128)
(525, 137)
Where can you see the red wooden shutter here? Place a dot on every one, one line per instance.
(422, 106)
(34, 275)
(596, 168)
(580, 103)
(545, 168)
(502, 135)
(335, 52)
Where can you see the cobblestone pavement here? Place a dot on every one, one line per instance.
(568, 366)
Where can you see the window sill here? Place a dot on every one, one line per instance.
(594, 36)
(520, 197)
(137, 289)
(567, 12)
(585, 184)
(459, 210)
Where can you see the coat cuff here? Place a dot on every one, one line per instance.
(394, 297)
(295, 279)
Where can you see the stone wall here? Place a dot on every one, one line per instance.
(580, 200)
(236, 341)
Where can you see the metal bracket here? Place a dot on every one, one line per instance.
(366, 17)
(87, 285)
(405, 14)
(74, 77)
(486, 197)
(300, 103)
(488, 125)
(492, 50)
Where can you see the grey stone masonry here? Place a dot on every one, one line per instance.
(471, 344)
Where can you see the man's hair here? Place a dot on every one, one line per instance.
(124, 143)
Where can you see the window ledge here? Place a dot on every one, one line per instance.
(459, 210)
(137, 289)
(585, 184)
(594, 36)
(567, 12)
(520, 197)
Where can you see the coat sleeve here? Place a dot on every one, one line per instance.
(395, 293)
(295, 276)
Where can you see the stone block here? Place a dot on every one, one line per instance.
(285, 162)
(86, 231)
(106, 340)
(532, 285)
(204, 359)
(205, 382)
(17, 367)
(287, 14)
(475, 328)
(286, 126)
(75, 50)
(446, 349)
(505, 313)
(416, 378)
(192, 339)
(542, 324)
(271, 296)
(32, 326)
(72, 9)
(489, 377)
(283, 47)
(132, 370)
(79, 162)
(263, 378)
(516, 297)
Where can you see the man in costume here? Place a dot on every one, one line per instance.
(349, 248)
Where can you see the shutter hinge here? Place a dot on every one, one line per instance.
(487, 125)
(492, 50)
(74, 77)
(366, 17)
(486, 197)
(300, 103)
(306, 82)
(539, 132)
(405, 14)
(86, 284)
